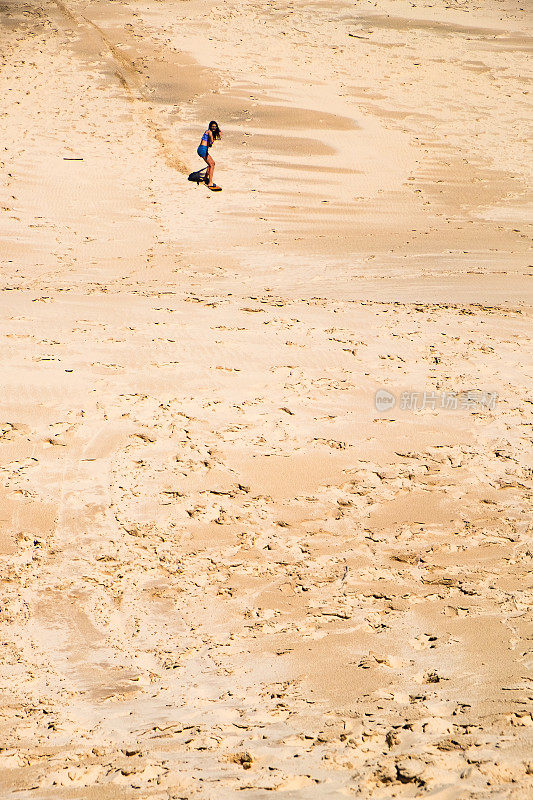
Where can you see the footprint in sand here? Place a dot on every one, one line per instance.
(424, 641)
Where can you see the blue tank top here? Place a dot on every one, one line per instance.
(205, 139)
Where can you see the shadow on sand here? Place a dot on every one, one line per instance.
(199, 176)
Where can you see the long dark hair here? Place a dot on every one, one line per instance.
(217, 132)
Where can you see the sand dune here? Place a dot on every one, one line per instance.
(229, 567)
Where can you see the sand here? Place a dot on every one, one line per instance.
(228, 570)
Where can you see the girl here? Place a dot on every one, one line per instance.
(213, 132)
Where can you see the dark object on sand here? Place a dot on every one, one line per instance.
(199, 176)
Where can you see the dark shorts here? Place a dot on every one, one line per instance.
(202, 151)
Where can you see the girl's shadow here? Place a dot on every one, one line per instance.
(199, 176)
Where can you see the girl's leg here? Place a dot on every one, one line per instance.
(210, 169)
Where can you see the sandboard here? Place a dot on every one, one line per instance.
(214, 187)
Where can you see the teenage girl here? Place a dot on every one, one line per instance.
(213, 132)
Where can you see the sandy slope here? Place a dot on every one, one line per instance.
(225, 572)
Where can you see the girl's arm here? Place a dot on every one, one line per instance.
(211, 140)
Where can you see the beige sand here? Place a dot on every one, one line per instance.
(226, 573)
